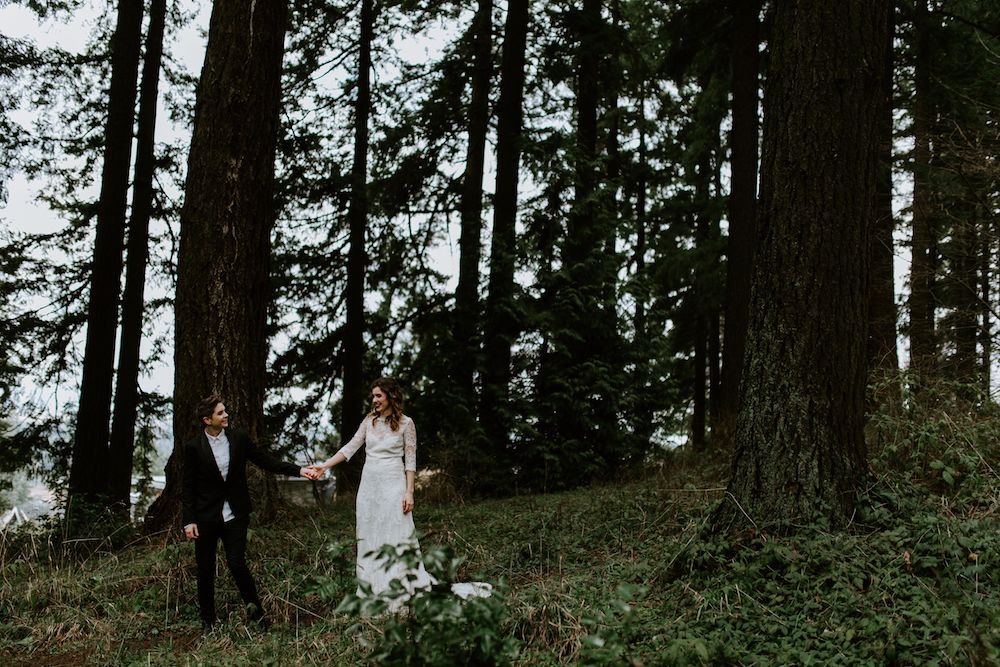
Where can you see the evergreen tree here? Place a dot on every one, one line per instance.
(355, 387)
(743, 140)
(87, 481)
(223, 292)
(883, 360)
(126, 399)
(467, 315)
(501, 321)
(800, 450)
(923, 346)
(577, 380)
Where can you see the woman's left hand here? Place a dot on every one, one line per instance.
(407, 502)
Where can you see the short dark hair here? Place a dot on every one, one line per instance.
(206, 406)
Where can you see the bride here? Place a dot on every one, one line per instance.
(385, 496)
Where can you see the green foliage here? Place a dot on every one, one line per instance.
(612, 628)
(614, 574)
(909, 582)
(332, 588)
(435, 626)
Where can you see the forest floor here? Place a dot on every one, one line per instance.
(622, 573)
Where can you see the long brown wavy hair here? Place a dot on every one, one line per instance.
(394, 395)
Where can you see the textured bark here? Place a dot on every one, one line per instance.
(87, 475)
(883, 360)
(353, 405)
(501, 321)
(923, 345)
(742, 212)
(220, 309)
(471, 209)
(127, 380)
(800, 451)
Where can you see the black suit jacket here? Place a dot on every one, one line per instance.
(204, 489)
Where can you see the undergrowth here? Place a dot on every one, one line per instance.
(616, 574)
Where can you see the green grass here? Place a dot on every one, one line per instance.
(616, 574)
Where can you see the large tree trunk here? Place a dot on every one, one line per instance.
(127, 381)
(88, 469)
(501, 323)
(742, 212)
(355, 388)
(800, 450)
(923, 345)
(220, 310)
(883, 360)
(471, 209)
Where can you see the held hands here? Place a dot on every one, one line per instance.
(314, 472)
(407, 502)
(191, 531)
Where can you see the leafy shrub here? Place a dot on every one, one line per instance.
(612, 628)
(435, 626)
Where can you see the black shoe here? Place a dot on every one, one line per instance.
(256, 614)
(207, 627)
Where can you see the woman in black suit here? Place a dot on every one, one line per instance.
(216, 503)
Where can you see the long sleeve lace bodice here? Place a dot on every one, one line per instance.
(381, 442)
(380, 516)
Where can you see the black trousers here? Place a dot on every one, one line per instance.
(234, 542)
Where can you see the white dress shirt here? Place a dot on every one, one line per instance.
(220, 449)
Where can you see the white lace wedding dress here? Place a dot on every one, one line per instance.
(380, 517)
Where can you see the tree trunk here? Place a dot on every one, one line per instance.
(501, 320)
(714, 369)
(985, 312)
(584, 236)
(471, 208)
(127, 381)
(923, 346)
(883, 360)
(584, 409)
(699, 412)
(570, 415)
(611, 84)
(88, 469)
(642, 426)
(220, 310)
(800, 451)
(703, 305)
(964, 275)
(355, 388)
(742, 212)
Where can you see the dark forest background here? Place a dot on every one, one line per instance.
(679, 224)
